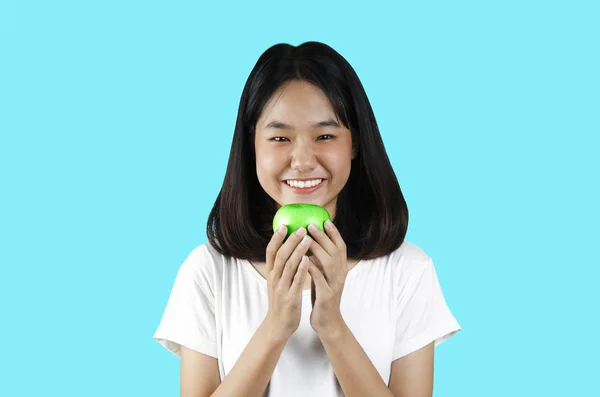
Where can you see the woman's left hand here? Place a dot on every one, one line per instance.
(328, 269)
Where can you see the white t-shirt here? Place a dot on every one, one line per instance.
(393, 305)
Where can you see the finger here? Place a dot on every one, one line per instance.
(286, 250)
(300, 277)
(322, 238)
(274, 244)
(317, 277)
(321, 256)
(335, 236)
(292, 263)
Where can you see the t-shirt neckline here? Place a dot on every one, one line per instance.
(251, 269)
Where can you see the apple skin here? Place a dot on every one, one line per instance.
(295, 216)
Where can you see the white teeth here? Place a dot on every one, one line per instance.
(304, 184)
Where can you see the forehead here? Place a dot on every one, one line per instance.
(297, 103)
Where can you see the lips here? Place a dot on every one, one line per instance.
(304, 190)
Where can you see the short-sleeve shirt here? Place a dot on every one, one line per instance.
(393, 306)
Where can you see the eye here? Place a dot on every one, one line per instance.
(328, 137)
(284, 139)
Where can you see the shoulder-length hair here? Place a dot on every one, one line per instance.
(371, 213)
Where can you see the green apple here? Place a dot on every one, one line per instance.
(295, 216)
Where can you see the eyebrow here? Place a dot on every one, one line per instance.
(280, 125)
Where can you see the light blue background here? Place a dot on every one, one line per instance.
(116, 119)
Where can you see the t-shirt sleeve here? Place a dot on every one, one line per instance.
(189, 317)
(423, 315)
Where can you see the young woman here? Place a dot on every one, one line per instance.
(353, 311)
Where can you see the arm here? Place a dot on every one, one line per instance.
(248, 377)
(411, 375)
(354, 370)
(287, 269)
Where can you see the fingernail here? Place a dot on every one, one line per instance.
(328, 224)
(306, 240)
(312, 227)
(300, 231)
(281, 229)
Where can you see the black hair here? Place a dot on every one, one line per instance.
(371, 213)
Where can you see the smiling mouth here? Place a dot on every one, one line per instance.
(305, 184)
(304, 187)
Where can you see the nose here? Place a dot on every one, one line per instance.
(303, 157)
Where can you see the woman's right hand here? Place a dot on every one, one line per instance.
(287, 268)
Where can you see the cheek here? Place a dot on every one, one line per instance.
(339, 163)
(267, 165)
(267, 162)
(342, 172)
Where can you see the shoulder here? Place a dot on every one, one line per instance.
(205, 252)
(406, 264)
(407, 257)
(204, 263)
(410, 251)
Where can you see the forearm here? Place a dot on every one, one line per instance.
(253, 369)
(355, 372)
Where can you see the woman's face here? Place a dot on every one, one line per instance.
(303, 153)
